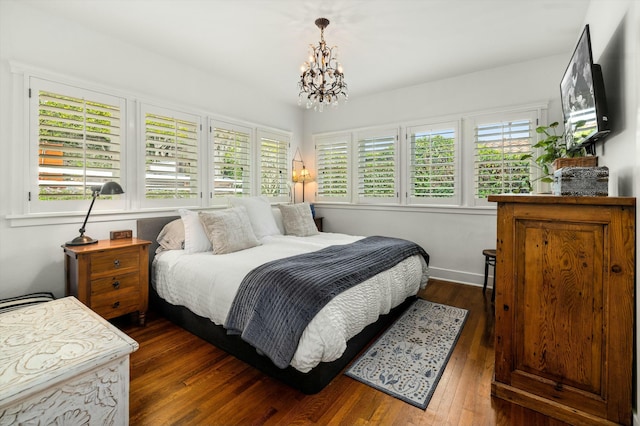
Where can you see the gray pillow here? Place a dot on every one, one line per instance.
(298, 220)
(229, 230)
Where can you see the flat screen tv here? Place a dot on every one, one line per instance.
(583, 98)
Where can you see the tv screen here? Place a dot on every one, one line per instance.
(583, 97)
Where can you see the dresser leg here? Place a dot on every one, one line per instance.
(142, 316)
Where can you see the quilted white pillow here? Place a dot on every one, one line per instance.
(229, 230)
(260, 215)
(298, 220)
(195, 238)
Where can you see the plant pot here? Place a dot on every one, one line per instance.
(590, 161)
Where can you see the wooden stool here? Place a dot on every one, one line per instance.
(489, 260)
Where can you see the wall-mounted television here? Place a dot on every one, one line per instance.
(583, 98)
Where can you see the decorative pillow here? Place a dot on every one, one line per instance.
(298, 220)
(195, 238)
(260, 216)
(229, 230)
(171, 237)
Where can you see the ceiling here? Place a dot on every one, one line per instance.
(383, 45)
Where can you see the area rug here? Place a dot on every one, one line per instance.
(407, 361)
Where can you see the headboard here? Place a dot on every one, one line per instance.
(149, 228)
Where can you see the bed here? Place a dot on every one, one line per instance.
(335, 335)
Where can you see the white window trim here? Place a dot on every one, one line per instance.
(386, 131)
(328, 138)
(141, 154)
(33, 204)
(454, 200)
(469, 123)
(131, 203)
(284, 137)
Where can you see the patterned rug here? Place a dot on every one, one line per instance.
(408, 359)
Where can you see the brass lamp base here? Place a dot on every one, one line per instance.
(81, 241)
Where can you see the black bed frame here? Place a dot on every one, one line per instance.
(309, 383)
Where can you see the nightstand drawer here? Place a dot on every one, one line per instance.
(111, 305)
(116, 283)
(111, 261)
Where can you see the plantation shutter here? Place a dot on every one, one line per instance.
(76, 143)
(376, 165)
(171, 155)
(231, 160)
(332, 165)
(498, 149)
(433, 174)
(274, 165)
(79, 144)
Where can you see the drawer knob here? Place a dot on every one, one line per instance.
(116, 284)
(116, 263)
(115, 305)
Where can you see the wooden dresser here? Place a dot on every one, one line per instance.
(565, 306)
(111, 277)
(61, 363)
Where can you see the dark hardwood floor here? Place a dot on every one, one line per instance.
(177, 378)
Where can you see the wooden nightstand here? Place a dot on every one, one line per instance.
(318, 221)
(111, 277)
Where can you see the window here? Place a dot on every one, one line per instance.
(499, 143)
(274, 165)
(231, 147)
(78, 140)
(332, 165)
(170, 156)
(376, 164)
(433, 164)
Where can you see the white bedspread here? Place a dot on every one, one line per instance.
(207, 284)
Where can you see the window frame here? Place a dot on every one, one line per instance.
(382, 134)
(231, 126)
(284, 149)
(36, 206)
(342, 138)
(433, 127)
(147, 203)
(533, 115)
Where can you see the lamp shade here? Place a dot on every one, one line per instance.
(108, 188)
(111, 188)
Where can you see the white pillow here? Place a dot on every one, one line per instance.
(195, 238)
(229, 230)
(298, 220)
(277, 215)
(260, 216)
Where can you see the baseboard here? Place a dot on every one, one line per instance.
(462, 277)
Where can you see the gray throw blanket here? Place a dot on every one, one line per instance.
(277, 300)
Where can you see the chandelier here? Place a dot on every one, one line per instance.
(322, 80)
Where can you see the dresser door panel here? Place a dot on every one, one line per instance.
(559, 329)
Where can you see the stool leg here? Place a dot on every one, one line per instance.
(486, 274)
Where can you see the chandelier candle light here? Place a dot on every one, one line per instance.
(322, 80)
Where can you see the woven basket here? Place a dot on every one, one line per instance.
(590, 161)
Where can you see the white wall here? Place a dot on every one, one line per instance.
(31, 258)
(615, 33)
(453, 237)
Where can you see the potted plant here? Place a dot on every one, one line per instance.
(554, 149)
